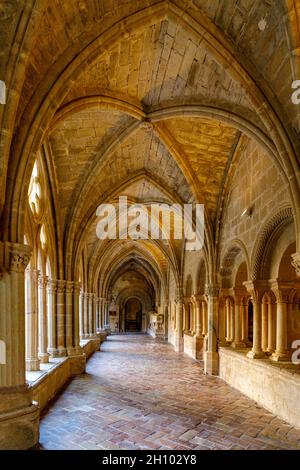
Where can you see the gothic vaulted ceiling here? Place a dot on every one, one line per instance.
(152, 100)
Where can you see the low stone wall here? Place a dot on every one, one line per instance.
(46, 383)
(275, 388)
(189, 345)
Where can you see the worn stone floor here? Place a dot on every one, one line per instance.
(140, 394)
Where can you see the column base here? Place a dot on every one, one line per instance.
(211, 363)
(53, 352)
(278, 356)
(178, 346)
(19, 419)
(256, 354)
(223, 343)
(62, 352)
(32, 364)
(238, 345)
(44, 358)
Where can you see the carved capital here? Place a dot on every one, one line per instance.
(257, 289)
(69, 287)
(61, 286)
(212, 290)
(77, 287)
(281, 292)
(296, 263)
(42, 281)
(17, 256)
(52, 286)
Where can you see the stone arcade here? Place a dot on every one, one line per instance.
(164, 102)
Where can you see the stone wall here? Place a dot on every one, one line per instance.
(272, 387)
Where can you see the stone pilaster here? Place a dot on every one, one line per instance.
(211, 358)
(43, 335)
(19, 416)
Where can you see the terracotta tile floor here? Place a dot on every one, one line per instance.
(140, 394)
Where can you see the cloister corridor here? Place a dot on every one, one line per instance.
(139, 394)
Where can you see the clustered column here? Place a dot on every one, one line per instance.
(31, 315)
(43, 333)
(211, 361)
(19, 416)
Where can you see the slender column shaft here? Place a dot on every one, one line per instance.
(232, 322)
(43, 334)
(245, 337)
(228, 320)
(198, 319)
(271, 328)
(222, 325)
(69, 317)
(281, 332)
(179, 326)
(264, 332)
(61, 312)
(85, 316)
(52, 337)
(31, 279)
(211, 360)
(76, 304)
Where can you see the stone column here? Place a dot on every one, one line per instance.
(204, 317)
(264, 324)
(245, 332)
(85, 316)
(98, 328)
(76, 303)
(19, 417)
(179, 323)
(271, 327)
(228, 319)
(237, 343)
(282, 298)
(198, 317)
(222, 324)
(106, 312)
(232, 321)
(198, 327)
(31, 310)
(91, 331)
(69, 293)
(52, 336)
(43, 333)
(256, 291)
(211, 359)
(61, 314)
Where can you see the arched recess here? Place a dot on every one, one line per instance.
(262, 250)
(40, 117)
(234, 254)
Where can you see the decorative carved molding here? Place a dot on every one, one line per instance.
(52, 286)
(212, 290)
(42, 281)
(17, 256)
(69, 287)
(284, 217)
(61, 286)
(296, 263)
